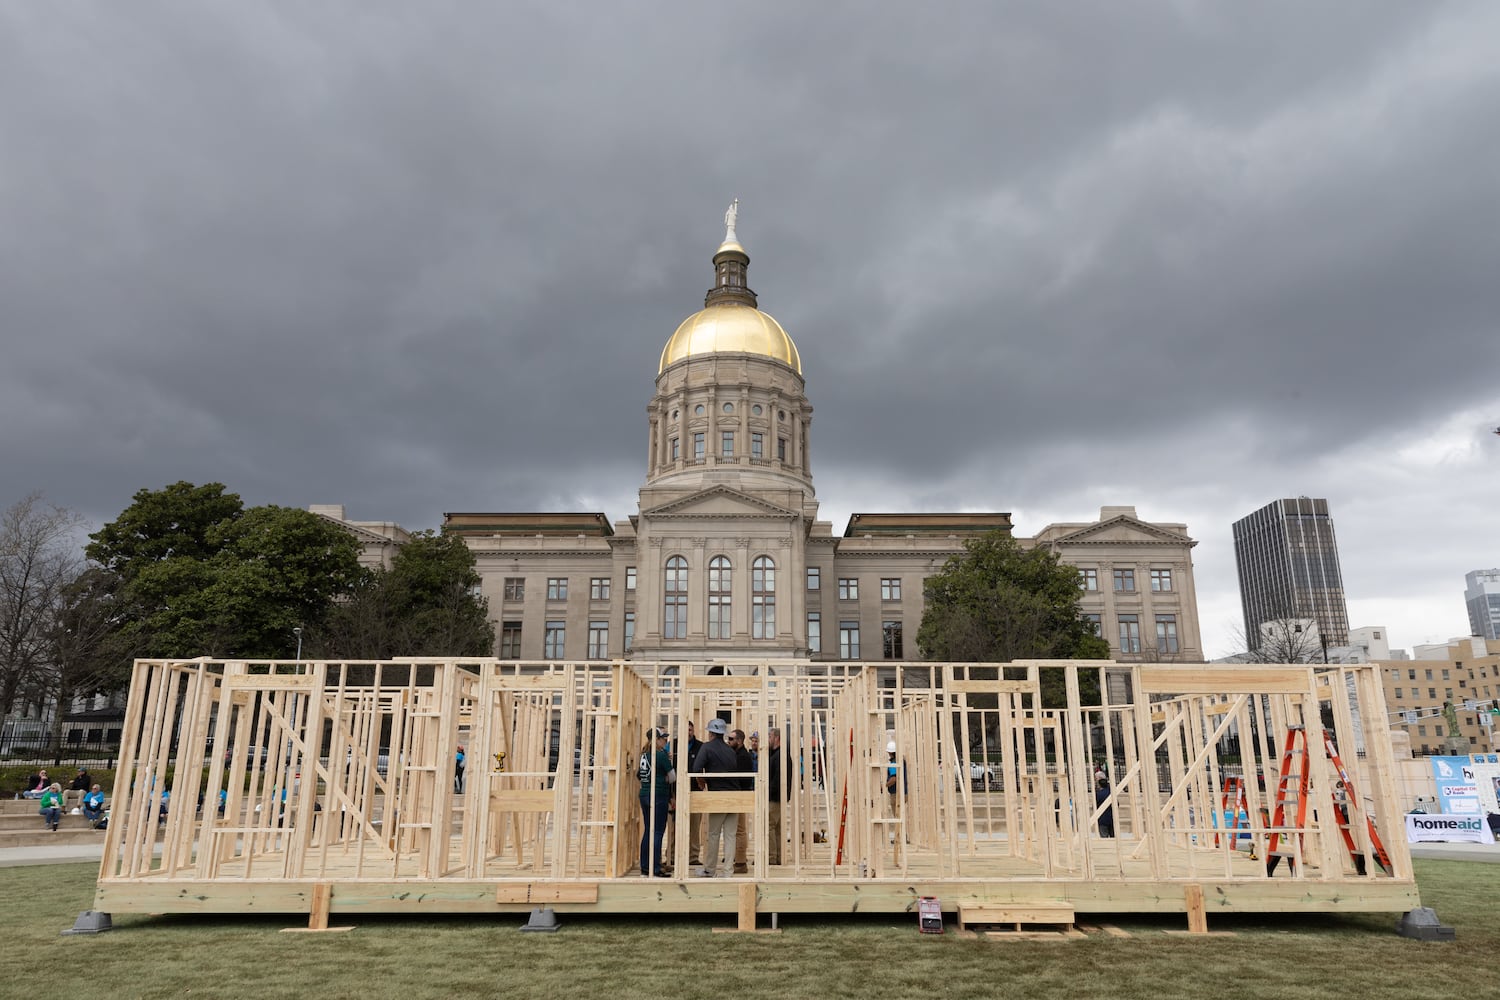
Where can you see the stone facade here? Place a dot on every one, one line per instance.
(1468, 677)
(726, 558)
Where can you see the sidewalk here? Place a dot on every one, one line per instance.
(47, 854)
(1457, 852)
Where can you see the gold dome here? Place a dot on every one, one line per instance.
(731, 327)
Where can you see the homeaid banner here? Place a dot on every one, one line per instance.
(1422, 828)
(1457, 791)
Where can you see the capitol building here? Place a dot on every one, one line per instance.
(725, 559)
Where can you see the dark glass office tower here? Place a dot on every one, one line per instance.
(1288, 563)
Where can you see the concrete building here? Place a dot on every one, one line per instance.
(726, 559)
(1288, 563)
(1467, 676)
(1482, 597)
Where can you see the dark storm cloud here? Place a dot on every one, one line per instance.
(1037, 257)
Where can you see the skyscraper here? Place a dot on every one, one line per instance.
(1482, 595)
(1288, 565)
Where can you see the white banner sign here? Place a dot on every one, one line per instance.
(1422, 829)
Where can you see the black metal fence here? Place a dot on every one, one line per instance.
(26, 749)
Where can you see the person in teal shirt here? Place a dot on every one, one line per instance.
(655, 774)
(93, 805)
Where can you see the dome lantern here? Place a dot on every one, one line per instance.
(731, 321)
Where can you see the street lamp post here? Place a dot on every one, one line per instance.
(298, 633)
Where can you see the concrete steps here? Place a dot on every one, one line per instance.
(21, 826)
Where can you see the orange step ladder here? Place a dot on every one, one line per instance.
(1293, 786)
(1233, 805)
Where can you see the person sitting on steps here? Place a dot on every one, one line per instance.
(52, 806)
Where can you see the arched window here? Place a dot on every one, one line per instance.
(718, 598)
(763, 598)
(674, 617)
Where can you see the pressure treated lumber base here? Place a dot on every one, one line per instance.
(724, 896)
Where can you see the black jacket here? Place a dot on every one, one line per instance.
(716, 757)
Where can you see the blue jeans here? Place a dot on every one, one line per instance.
(655, 830)
(52, 816)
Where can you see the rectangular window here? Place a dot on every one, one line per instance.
(814, 578)
(698, 446)
(814, 632)
(1125, 581)
(676, 451)
(848, 588)
(1088, 579)
(515, 588)
(629, 577)
(1432, 692)
(890, 588)
(557, 588)
(781, 449)
(849, 640)
(763, 599)
(1411, 675)
(555, 640)
(510, 640)
(1429, 675)
(1166, 633)
(718, 616)
(1097, 622)
(757, 445)
(598, 640)
(599, 588)
(726, 443)
(890, 639)
(1130, 633)
(1161, 581)
(629, 630)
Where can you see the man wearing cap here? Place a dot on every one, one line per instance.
(716, 758)
(655, 773)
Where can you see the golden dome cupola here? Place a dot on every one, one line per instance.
(730, 321)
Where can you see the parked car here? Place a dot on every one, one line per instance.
(981, 776)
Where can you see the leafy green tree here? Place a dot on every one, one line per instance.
(424, 605)
(999, 602)
(204, 575)
(176, 522)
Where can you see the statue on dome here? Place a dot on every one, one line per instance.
(729, 219)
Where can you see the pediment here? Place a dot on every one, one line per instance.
(719, 501)
(364, 535)
(1122, 530)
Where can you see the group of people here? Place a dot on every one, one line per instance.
(723, 762)
(52, 803)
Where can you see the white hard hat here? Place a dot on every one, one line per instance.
(890, 747)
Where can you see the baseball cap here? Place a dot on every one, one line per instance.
(658, 734)
(718, 726)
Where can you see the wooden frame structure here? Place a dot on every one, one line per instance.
(325, 788)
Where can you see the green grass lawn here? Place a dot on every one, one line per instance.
(1354, 957)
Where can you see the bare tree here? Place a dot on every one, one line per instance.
(39, 557)
(1284, 639)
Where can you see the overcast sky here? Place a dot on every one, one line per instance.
(418, 258)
